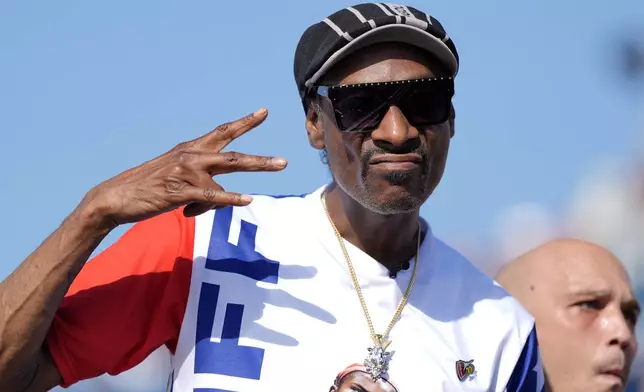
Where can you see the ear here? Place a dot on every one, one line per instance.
(314, 129)
(452, 117)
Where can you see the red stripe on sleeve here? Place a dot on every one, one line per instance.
(126, 302)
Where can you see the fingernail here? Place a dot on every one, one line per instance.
(260, 112)
(246, 198)
(279, 161)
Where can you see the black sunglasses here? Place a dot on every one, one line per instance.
(361, 107)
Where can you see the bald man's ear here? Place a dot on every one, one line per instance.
(452, 118)
(314, 129)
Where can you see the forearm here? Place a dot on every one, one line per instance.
(30, 296)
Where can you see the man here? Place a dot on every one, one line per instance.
(248, 293)
(585, 312)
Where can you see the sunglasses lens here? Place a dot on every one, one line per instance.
(427, 104)
(362, 108)
(358, 110)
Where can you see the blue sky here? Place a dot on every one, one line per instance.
(89, 89)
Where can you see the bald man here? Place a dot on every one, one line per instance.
(585, 313)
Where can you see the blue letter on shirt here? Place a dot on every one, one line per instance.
(228, 357)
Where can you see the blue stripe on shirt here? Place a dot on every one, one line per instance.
(528, 372)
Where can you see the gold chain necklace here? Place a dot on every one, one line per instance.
(377, 361)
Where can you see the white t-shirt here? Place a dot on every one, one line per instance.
(272, 308)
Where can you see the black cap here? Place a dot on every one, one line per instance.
(325, 43)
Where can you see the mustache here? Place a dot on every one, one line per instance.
(616, 362)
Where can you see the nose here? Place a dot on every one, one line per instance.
(395, 132)
(620, 332)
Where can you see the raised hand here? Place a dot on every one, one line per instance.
(182, 176)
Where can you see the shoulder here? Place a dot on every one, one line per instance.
(497, 322)
(264, 211)
(493, 312)
(479, 287)
(278, 206)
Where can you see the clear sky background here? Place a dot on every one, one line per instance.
(89, 89)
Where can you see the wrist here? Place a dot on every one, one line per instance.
(92, 216)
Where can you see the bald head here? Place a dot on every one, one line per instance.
(585, 312)
(553, 265)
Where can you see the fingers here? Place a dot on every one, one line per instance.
(206, 195)
(230, 162)
(226, 133)
(200, 199)
(194, 209)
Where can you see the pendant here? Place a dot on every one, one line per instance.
(377, 361)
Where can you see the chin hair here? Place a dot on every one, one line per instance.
(398, 178)
(403, 205)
